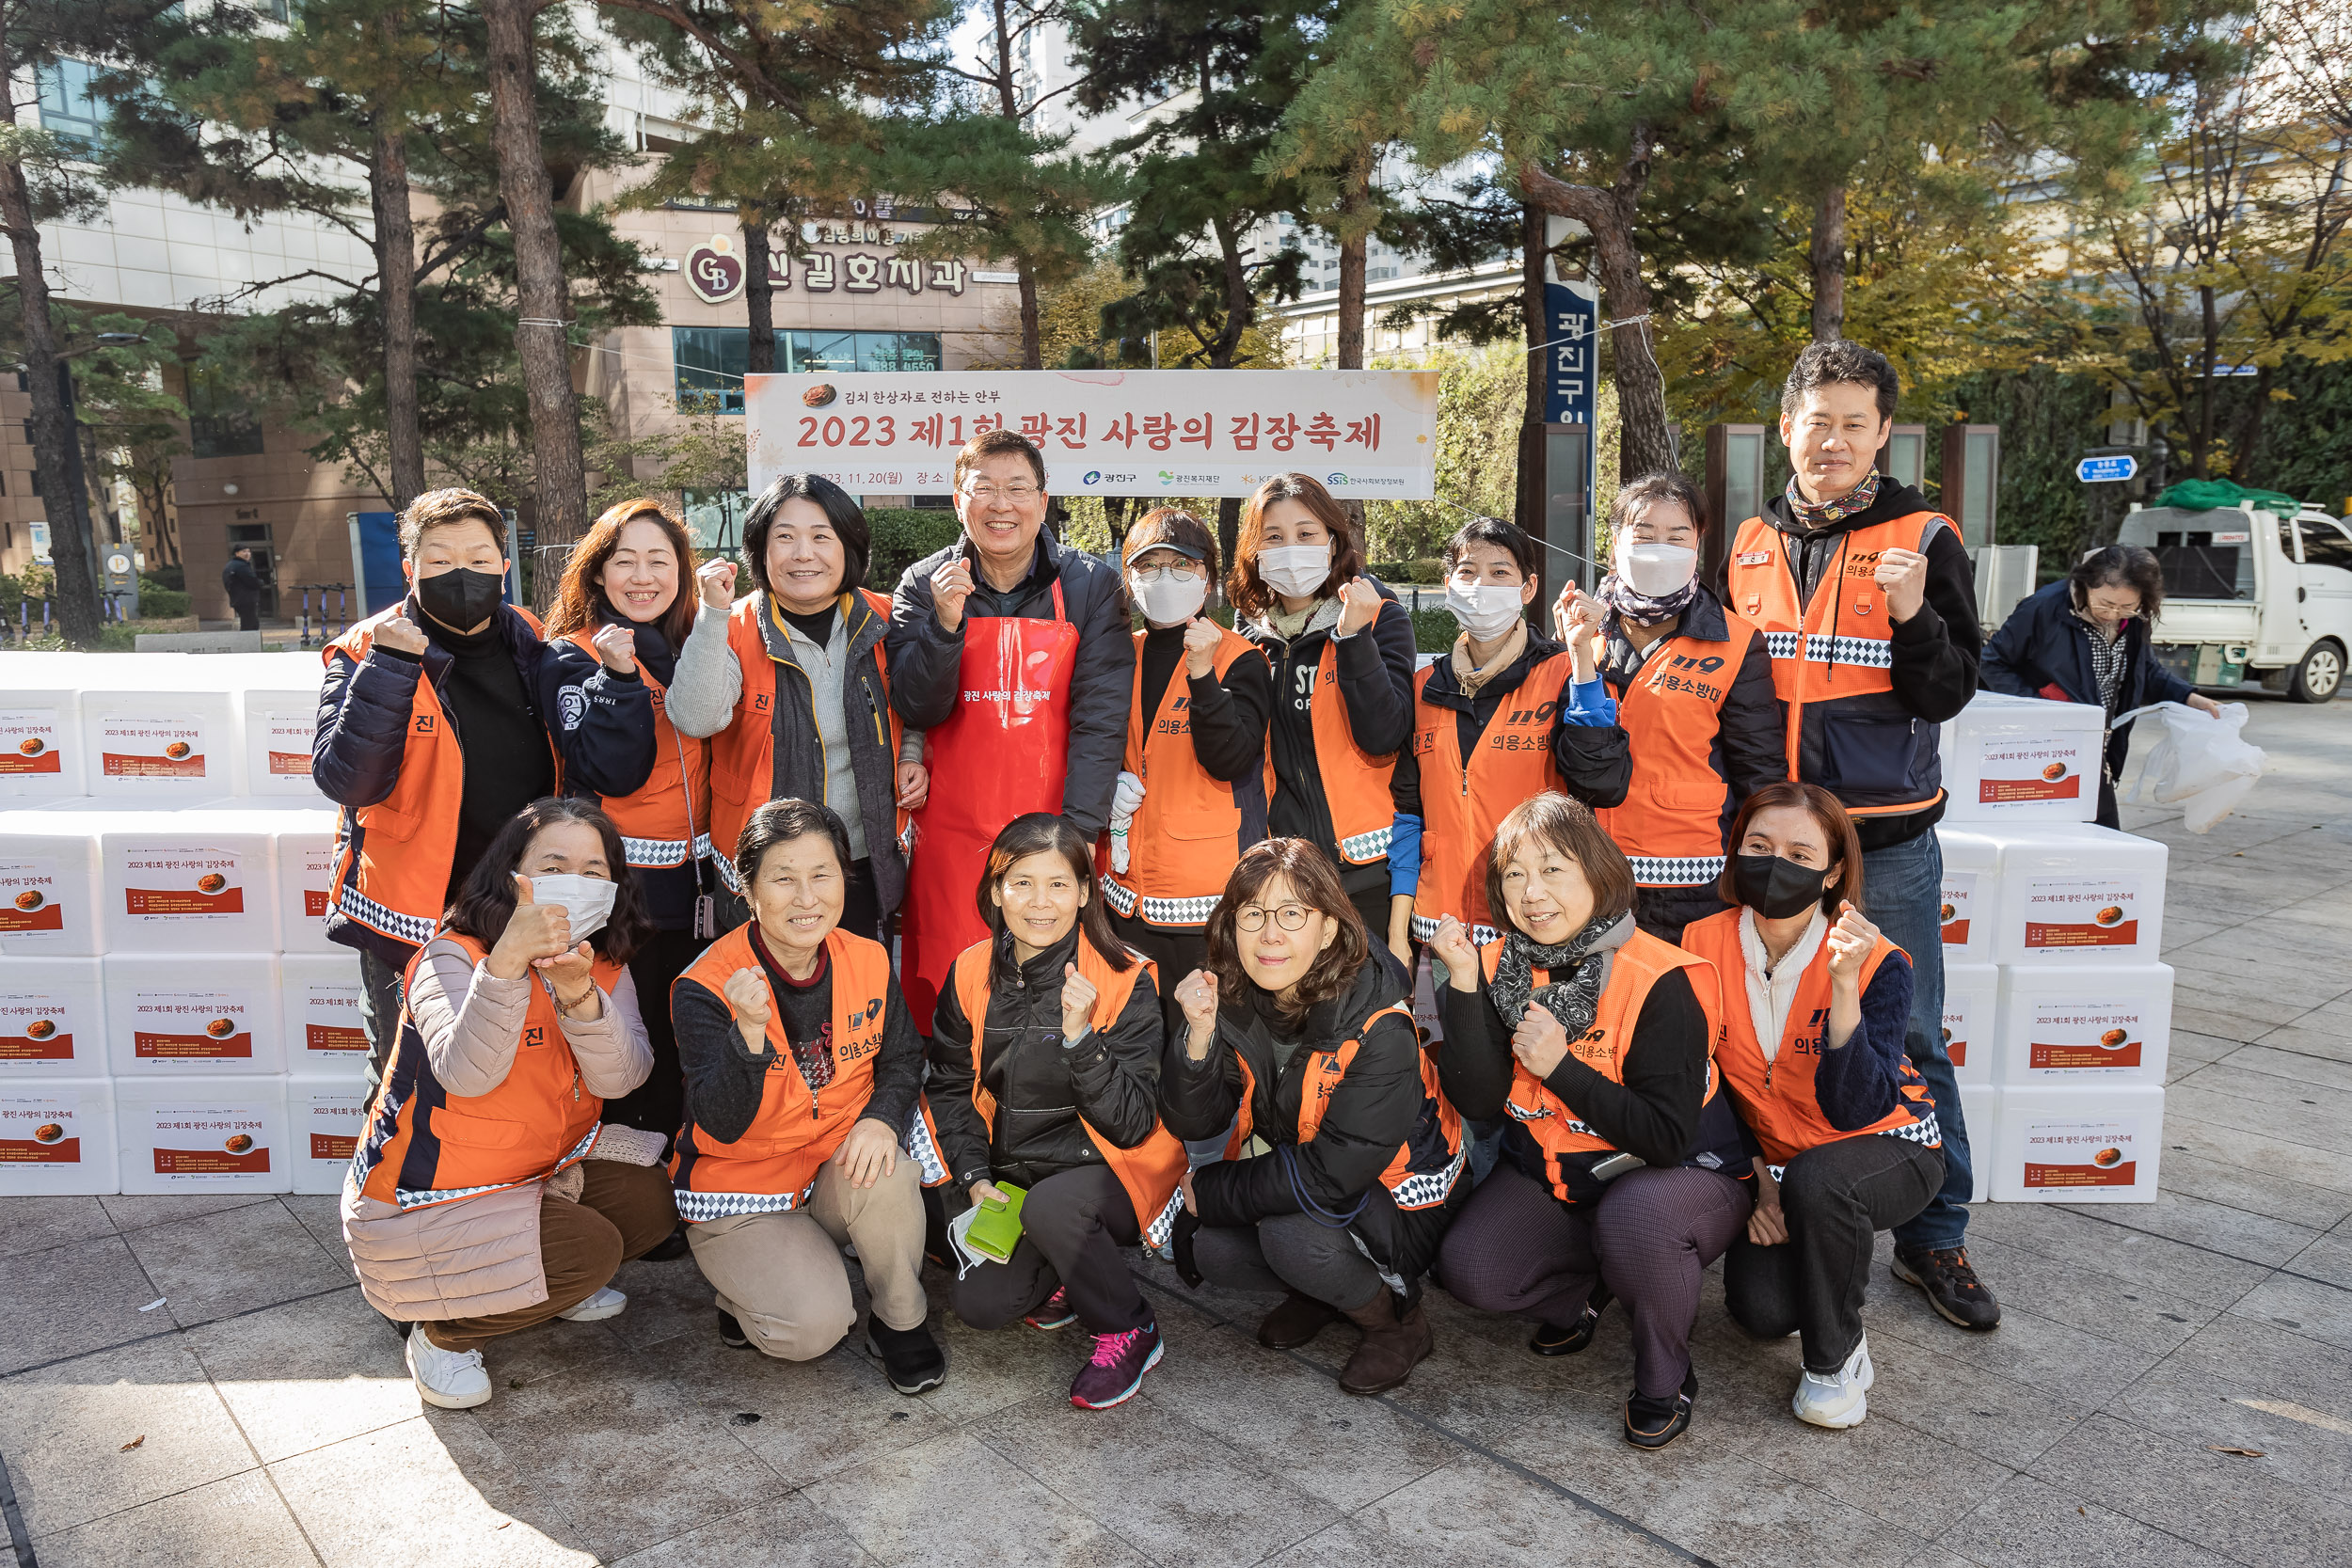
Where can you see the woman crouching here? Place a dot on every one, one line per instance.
(1045, 1073)
(1297, 1027)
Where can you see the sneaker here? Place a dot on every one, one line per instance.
(1552, 1340)
(1054, 1313)
(1117, 1369)
(731, 1332)
(453, 1379)
(910, 1358)
(1950, 1286)
(606, 1302)
(1654, 1424)
(1836, 1399)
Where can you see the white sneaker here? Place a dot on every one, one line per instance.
(1837, 1400)
(453, 1379)
(606, 1302)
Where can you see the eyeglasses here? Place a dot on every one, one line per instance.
(988, 495)
(1290, 917)
(1183, 571)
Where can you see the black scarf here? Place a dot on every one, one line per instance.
(1579, 969)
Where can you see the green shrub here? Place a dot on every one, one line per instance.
(1434, 630)
(1428, 572)
(159, 603)
(173, 577)
(902, 536)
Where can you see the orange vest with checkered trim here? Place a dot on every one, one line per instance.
(1671, 824)
(1354, 781)
(1464, 800)
(1191, 829)
(665, 821)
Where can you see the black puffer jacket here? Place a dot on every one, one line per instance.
(1377, 1106)
(1042, 1088)
(925, 662)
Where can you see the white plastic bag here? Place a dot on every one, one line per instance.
(2201, 764)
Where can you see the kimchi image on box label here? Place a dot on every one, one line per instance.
(207, 1026)
(2078, 1144)
(53, 1019)
(57, 1139)
(132, 746)
(1970, 861)
(2065, 913)
(1960, 901)
(2085, 1023)
(215, 1136)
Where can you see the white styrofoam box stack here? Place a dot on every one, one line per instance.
(203, 1135)
(177, 1014)
(1971, 1006)
(324, 1036)
(57, 1138)
(48, 898)
(160, 744)
(2077, 894)
(1980, 1109)
(2023, 759)
(2090, 1025)
(277, 724)
(1970, 863)
(2079, 1145)
(53, 1019)
(188, 881)
(325, 1116)
(306, 863)
(40, 740)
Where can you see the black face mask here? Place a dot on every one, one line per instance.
(462, 598)
(1776, 888)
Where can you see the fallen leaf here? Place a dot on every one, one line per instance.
(132, 1444)
(2250, 1453)
(2084, 1511)
(502, 1524)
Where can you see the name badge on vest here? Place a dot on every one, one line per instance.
(1754, 558)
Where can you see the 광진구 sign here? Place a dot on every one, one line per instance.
(1369, 435)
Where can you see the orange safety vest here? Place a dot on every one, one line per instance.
(1638, 964)
(773, 1167)
(1462, 803)
(1671, 826)
(742, 756)
(1833, 663)
(1776, 1098)
(1426, 1165)
(665, 820)
(1151, 1170)
(1354, 781)
(393, 860)
(424, 1145)
(1190, 830)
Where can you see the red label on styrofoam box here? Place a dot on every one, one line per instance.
(35, 1028)
(31, 899)
(1959, 898)
(2081, 1153)
(2085, 1036)
(2014, 771)
(194, 882)
(330, 1019)
(288, 740)
(40, 1130)
(30, 739)
(333, 1146)
(132, 747)
(2068, 912)
(208, 1141)
(192, 1025)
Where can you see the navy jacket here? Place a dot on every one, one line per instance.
(2043, 650)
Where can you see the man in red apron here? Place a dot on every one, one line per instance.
(1014, 654)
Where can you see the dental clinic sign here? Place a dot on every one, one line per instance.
(714, 271)
(1369, 435)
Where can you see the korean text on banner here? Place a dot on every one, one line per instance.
(1369, 435)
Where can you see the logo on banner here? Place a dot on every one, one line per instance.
(713, 271)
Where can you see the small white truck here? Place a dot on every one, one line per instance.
(2250, 591)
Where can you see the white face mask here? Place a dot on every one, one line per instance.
(1485, 610)
(1167, 599)
(587, 899)
(1297, 571)
(1655, 570)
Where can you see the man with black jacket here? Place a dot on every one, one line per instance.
(244, 587)
(1015, 655)
(1869, 605)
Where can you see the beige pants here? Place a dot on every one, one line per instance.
(782, 1276)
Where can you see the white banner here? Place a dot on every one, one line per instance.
(1367, 435)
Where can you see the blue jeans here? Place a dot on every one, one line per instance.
(1903, 887)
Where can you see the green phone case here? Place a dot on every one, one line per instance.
(996, 1230)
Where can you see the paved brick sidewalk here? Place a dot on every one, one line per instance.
(279, 1428)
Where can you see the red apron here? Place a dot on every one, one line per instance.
(1005, 752)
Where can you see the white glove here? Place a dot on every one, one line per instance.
(1125, 801)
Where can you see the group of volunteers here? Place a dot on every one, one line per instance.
(626, 887)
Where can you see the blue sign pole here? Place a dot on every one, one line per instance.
(1571, 398)
(2108, 468)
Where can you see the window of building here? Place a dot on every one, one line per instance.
(219, 422)
(67, 107)
(710, 360)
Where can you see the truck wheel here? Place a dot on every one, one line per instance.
(2320, 676)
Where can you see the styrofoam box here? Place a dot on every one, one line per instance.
(160, 743)
(2023, 759)
(1980, 1112)
(189, 881)
(1972, 995)
(53, 1019)
(57, 1138)
(324, 1032)
(276, 725)
(325, 1116)
(2099, 1145)
(41, 741)
(48, 898)
(1971, 861)
(2095, 1024)
(184, 1014)
(203, 1135)
(2077, 894)
(305, 852)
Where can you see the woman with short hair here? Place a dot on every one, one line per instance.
(801, 1074)
(1046, 1076)
(1621, 1156)
(1296, 1026)
(2089, 638)
(488, 1194)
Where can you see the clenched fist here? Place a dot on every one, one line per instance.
(716, 581)
(1359, 606)
(751, 1002)
(616, 647)
(1452, 947)
(401, 635)
(1903, 574)
(1197, 996)
(1202, 636)
(1077, 1003)
(1850, 943)
(1539, 1042)
(950, 586)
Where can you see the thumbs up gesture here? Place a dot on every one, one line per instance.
(1077, 1003)
(533, 932)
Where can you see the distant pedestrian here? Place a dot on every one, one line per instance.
(245, 589)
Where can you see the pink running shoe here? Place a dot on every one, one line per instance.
(1055, 1314)
(1117, 1368)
